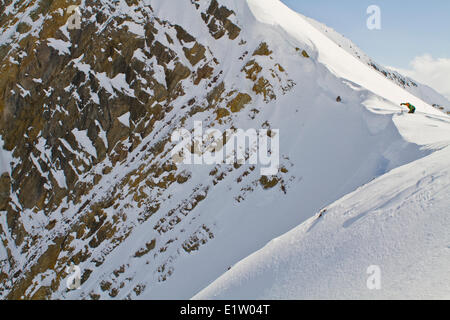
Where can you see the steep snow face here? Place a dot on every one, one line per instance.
(337, 146)
(337, 59)
(398, 224)
(140, 226)
(424, 92)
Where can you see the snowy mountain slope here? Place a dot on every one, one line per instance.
(399, 222)
(260, 221)
(427, 94)
(87, 137)
(409, 128)
(338, 60)
(424, 92)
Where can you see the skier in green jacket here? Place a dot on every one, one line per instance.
(411, 108)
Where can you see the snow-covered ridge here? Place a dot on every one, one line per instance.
(139, 226)
(424, 92)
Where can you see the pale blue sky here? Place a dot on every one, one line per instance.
(410, 28)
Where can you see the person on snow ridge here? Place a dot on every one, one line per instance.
(411, 108)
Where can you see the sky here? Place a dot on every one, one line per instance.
(414, 36)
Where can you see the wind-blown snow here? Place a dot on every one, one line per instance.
(84, 141)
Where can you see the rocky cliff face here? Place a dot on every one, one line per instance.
(87, 114)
